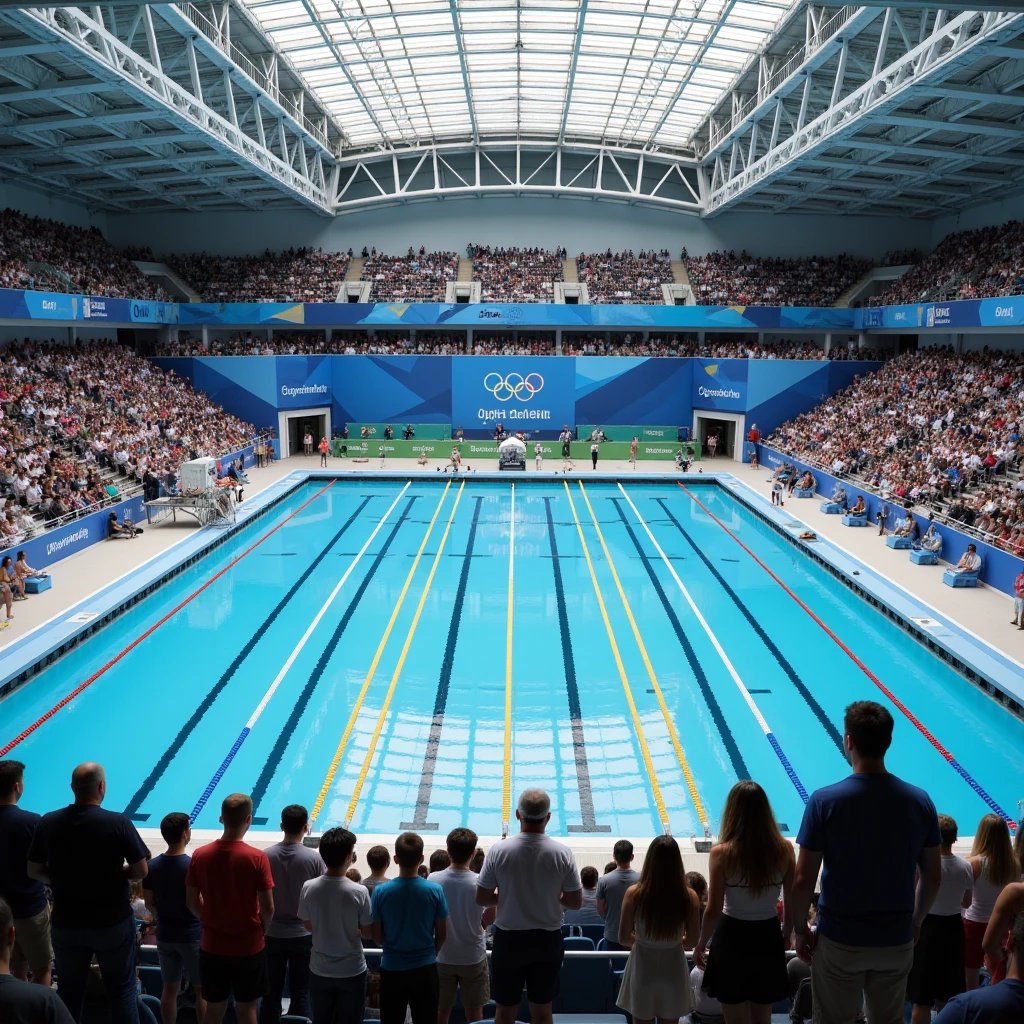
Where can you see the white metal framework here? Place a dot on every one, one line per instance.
(696, 106)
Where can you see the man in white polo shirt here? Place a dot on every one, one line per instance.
(537, 881)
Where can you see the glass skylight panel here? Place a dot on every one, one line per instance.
(646, 74)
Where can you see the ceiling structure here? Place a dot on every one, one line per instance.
(697, 106)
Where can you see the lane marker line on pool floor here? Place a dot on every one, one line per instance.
(684, 765)
(25, 733)
(729, 667)
(356, 707)
(739, 765)
(400, 664)
(953, 762)
(284, 737)
(638, 728)
(419, 818)
(506, 780)
(290, 660)
(819, 712)
(572, 690)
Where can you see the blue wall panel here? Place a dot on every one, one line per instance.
(633, 390)
(382, 389)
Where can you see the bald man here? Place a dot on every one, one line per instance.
(87, 855)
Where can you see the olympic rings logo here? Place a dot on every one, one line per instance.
(514, 385)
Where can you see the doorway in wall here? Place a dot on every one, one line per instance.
(726, 427)
(294, 426)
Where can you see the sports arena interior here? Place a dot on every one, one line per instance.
(511, 510)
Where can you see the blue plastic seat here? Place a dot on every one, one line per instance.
(585, 986)
(921, 557)
(960, 579)
(148, 955)
(831, 508)
(851, 520)
(152, 983)
(804, 492)
(899, 543)
(579, 942)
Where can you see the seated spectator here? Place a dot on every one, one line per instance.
(116, 529)
(462, 960)
(659, 919)
(622, 277)
(25, 896)
(20, 1002)
(516, 275)
(859, 508)
(87, 856)
(410, 924)
(230, 888)
(970, 561)
(177, 928)
(335, 910)
(931, 541)
(879, 839)
(420, 277)
(611, 888)
(706, 1009)
(587, 913)
(839, 495)
(994, 1004)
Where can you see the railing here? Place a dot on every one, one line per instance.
(246, 64)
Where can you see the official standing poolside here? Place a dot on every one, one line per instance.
(537, 881)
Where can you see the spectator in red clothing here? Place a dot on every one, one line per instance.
(230, 890)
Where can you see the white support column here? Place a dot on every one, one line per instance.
(193, 69)
(883, 42)
(776, 124)
(804, 99)
(154, 50)
(230, 95)
(837, 85)
(828, 342)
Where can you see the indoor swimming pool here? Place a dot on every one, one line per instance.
(412, 654)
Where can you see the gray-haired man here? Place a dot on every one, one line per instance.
(538, 881)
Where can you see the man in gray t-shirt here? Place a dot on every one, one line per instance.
(334, 909)
(288, 943)
(612, 887)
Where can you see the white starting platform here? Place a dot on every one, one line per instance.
(208, 508)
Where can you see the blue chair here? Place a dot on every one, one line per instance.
(152, 983)
(851, 520)
(960, 579)
(148, 955)
(899, 543)
(579, 942)
(585, 986)
(591, 931)
(804, 492)
(831, 508)
(921, 557)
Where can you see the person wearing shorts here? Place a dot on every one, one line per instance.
(462, 960)
(230, 887)
(538, 881)
(1018, 600)
(177, 928)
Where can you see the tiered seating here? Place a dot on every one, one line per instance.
(516, 275)
(415, 277)
(622, 277)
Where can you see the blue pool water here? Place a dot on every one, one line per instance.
(386, 704)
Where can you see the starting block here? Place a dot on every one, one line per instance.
(804, 492)
(852, 520)
(831, 508)
(37, 584)
(899, 543)
(922, 557)
(960, 579)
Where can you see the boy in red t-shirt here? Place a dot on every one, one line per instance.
(229, 888)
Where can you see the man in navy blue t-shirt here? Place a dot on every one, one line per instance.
(873, 831)
(410, 924)
(995, 1004)
(25, 896)
(177, 929)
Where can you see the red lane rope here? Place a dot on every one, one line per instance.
(152, 629)
(976, 786)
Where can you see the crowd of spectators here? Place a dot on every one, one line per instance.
(898, 915)
(80, 422)
(723, 278)
(930, 426)
(295, 275)
(900, 257)
(45, 255)
(416, 277)
(983, 263)
(516, 275)
(506, 344)
(297, 343)
(623, 277)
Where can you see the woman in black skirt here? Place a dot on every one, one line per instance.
(746, 967)
(938, 971)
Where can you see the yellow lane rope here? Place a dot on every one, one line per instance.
(637, 726)
(684, 765)
(376, 660)
(506, 784)
(382, 717)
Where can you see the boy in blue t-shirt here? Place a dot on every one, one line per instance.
(409, 923)
(177, 929)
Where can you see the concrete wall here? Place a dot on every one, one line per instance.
(38, 204)
(581, 226)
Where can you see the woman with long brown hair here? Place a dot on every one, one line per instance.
(658, 919)
(995, 866)
(746, 968)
